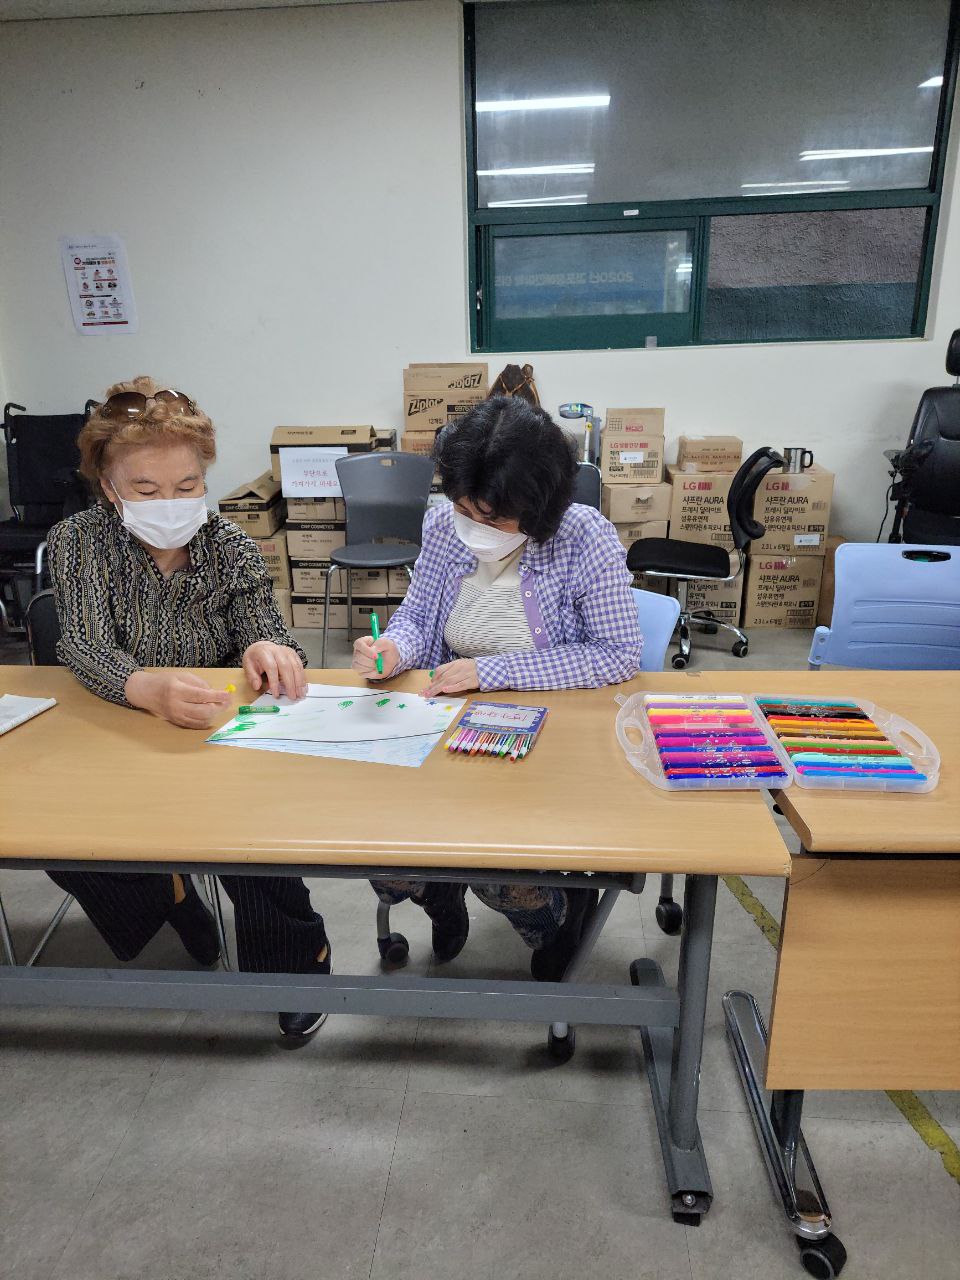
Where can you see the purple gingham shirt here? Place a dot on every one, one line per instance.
(576, 594)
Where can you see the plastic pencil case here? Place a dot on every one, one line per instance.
(905, 736)
(635, 735)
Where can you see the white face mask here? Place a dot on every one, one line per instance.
(164, 523)
(483, 540)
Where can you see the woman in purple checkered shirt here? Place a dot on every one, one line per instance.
(516, 587)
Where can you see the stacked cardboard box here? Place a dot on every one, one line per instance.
(631, 446)
(435, 394)
(698, 507)
(257, 507)
(709, 453)
(785, 566)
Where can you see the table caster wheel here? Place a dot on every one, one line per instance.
(669, 916)
(740, 649)
(561, 1048)
(394, 950)
(822, 1258)
(679, 660)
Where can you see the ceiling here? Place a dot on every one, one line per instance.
(16, 10)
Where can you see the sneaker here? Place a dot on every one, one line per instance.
(444, 904)
(300, 1025)
(193, 921)
(549, 963)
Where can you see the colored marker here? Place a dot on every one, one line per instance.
(257, 711)
(375, 632)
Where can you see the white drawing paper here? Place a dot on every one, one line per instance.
(373, 725)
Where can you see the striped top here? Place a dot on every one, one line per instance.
(118, 614)
(488, 616)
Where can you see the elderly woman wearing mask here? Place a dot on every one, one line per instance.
(150, 579)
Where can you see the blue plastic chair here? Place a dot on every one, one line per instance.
(896, 608)
(658, 620)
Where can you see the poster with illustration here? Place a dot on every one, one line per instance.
(374, 725)
(98, 284)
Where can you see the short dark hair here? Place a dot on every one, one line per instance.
(510, 459)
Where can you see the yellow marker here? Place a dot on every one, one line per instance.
(231, 688)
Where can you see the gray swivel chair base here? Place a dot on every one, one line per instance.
(703, 620)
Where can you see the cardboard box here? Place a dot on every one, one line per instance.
(631, 446)
(828, 582)
(435, 394)
(659, 586)
(399, 582)
(386, 440)
(354, 439)
(314, 540)
(309, 578)
(635, 503)
(698, 507)
(794, 507)
(274, 552)
(418, 442)
(631, 533)
(709, 453)
(282, 598)
(319, 510)
(782, 591)
(307, 612)
(722, 599)
(257, 507)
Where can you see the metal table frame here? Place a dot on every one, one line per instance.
(671, 1022)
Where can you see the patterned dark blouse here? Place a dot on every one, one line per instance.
(119, 614)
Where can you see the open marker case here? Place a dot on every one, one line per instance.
(905, 736)
(635, 735)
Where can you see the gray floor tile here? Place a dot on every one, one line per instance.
(521, 1188)
(260, 1181)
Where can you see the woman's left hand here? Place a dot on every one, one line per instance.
(453, 677)
(274, 665)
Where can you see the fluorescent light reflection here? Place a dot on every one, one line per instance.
(542, 200)
(862, 153)
(814, 182)
(546, 104)
(534, 170)
(935, 82)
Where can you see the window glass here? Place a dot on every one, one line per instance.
(586, 103)
(591, 274)
(835, 274)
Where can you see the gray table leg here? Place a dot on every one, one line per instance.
(673, 1057)
(9, 954)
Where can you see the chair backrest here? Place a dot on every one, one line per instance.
(930, 464)
(896, 607)
(42, 462)
(587, 485)
(43, 630)
(386, 495)
(743, 490)
(658, 619)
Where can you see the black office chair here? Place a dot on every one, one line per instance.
(926, 474)
(685, 562)
(43, 632)
(587, 485)
(385, 495)
(45, 487)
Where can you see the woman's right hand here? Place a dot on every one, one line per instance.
(365, 652)
(178, 696)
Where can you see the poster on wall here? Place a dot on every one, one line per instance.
(98, 284)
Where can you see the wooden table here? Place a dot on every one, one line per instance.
(867, 992)
(114, 788)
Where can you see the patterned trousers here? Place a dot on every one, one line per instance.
(278, 930)
(535, 912)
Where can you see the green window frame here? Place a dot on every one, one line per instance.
(624, 331)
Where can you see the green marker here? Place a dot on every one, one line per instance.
(375, 632)
(258, 711)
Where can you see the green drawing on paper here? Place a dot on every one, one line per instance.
(344, 705)
(383, 702)
(401, 705)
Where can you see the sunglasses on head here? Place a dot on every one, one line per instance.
(129, 405)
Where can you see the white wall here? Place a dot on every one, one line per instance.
(290, 185)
